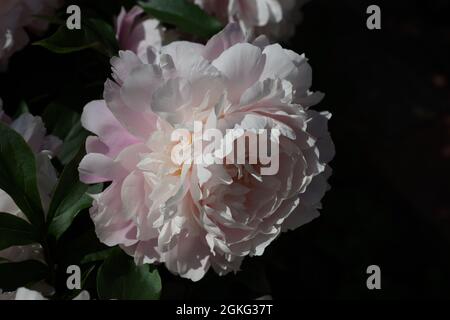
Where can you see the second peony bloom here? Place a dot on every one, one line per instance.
(195, 216)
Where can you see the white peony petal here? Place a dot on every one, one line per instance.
(242, 64)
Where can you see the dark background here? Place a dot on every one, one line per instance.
(388, 91)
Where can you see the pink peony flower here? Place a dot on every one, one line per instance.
(44, 146)
(193, 216)
(275, 18)
(136, 32)
(16, 18)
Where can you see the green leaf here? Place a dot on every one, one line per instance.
(76, 200)
(105, 33)
(98, 256)
(72, 143)
(68, 41)
(18, 274)
(64, 123)
(94, 33)
(119, 278)
(18, 174)
(22, 108)
(59, 119)
(187, 16)
(70, 197)
(15, 231)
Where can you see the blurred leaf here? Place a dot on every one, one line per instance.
(18, 274)
(120, 278)
(70, 197)
(15, 231)
(188, 17)
(18, 174)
